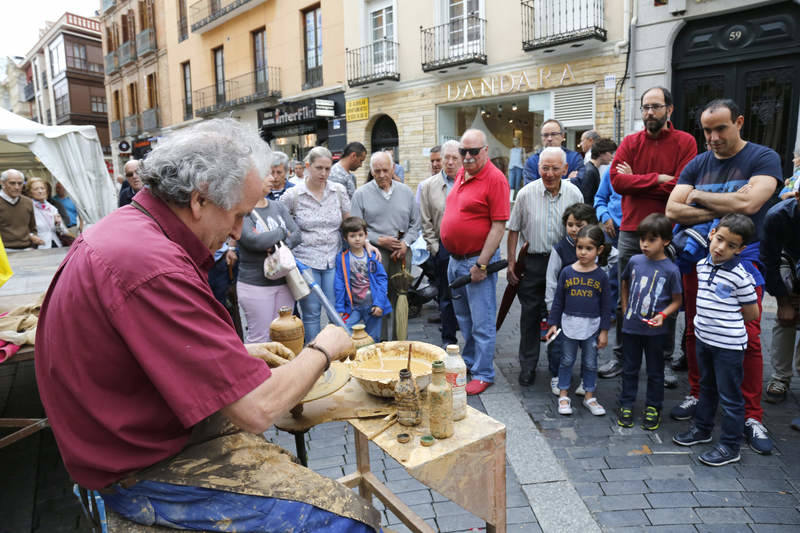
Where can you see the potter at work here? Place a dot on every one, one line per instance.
(178, 375)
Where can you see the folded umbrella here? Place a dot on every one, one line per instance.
(511, 290)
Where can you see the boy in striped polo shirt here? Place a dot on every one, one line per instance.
(726, 298)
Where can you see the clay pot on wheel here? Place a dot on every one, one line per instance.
(360, 337)
(288, 330)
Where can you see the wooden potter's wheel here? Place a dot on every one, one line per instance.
(329, 382)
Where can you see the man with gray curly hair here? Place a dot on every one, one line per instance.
(142, 395)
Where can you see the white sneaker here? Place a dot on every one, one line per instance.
(564, 406)
(554, 386)
(594, 407)
(579, 391)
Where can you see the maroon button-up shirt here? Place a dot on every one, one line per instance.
(132, 349)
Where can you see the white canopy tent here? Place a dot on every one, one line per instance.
(72, 155)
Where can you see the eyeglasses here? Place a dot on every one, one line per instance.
(127, 175)
(471, 151)
(654, 107)
(549, 135)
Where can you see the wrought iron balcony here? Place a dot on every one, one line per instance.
(150, 119)
(112, 62)
(255, 86)
(458, 42)
(108, 4)
(28, 93)
(546, 23)
(132, 124)
(145, 42)
(116, 129)
(127, 53)
(81, 64)
(208, 14)
(373, 63)
(188, 112)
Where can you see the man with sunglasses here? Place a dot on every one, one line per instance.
(553, 135)
(644, 171)
(132, 184)
(472, 227)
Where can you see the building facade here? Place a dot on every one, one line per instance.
(12, 86)
(136, 75)
(420, 73)
(741, 49)
(260, 62)
(64, 75)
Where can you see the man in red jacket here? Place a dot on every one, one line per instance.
(644, 171)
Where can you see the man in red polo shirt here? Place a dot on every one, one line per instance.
(472, 227)
(135, 356)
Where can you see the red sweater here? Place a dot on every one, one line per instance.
(641, 193)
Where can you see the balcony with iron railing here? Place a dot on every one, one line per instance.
(459, 42)
(132, 124)
(549, 23)
(256, 86)
(312, 76)
(373, 63)
(127, 53)
(145, 42)
(28, 92)
(150, 119)
(116, 129)
(108, 5)
(82, 65)
(208, 14)
(112, 62)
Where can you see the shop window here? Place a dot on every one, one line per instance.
(312, 20)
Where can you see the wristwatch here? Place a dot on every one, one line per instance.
(482, 267)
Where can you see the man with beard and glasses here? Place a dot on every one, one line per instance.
(644, 171)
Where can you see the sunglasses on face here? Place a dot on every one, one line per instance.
(471, 151)
(128, 175)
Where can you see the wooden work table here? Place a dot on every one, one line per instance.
(469, 468)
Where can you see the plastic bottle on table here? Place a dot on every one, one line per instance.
(456, 372)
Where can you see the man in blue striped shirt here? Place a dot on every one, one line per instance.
(726, 298)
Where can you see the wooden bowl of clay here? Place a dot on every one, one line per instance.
(376, 367)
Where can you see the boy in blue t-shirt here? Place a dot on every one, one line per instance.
(651, 291)
(360, 283)
(726, 298)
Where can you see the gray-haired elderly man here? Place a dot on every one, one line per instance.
(537, 215)
(17, 220)
(392, 218)
(142, 408)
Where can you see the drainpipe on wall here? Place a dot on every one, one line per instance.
(626, 21)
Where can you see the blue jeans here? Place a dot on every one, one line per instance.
(311, 307)
(721, 374)
(475, 305)
(588, 362)
(515, 178)
(632, 348)
(183, 507)
(372, 322)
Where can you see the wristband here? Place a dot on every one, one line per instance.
(662, 315)
(323, 351)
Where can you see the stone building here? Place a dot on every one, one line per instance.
(420, 73)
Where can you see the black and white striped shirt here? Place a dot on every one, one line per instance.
(722, 290)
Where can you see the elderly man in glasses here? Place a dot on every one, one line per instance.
(553, 134)
(132, 184)
(644, 171)
(472, 227)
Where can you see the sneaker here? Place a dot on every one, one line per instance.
(625, 417)
(776, 391)
(564, 405)
(719, 455)
(670, 379)
(554, 386)
(611, 369)
(692, 437)
(685, 409)
(652, 418)
(757, 437)
(580, 391)
(476, 386)
(594, 407)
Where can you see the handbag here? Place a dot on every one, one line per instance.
(280, 261)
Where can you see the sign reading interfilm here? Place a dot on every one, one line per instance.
(357, 109)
